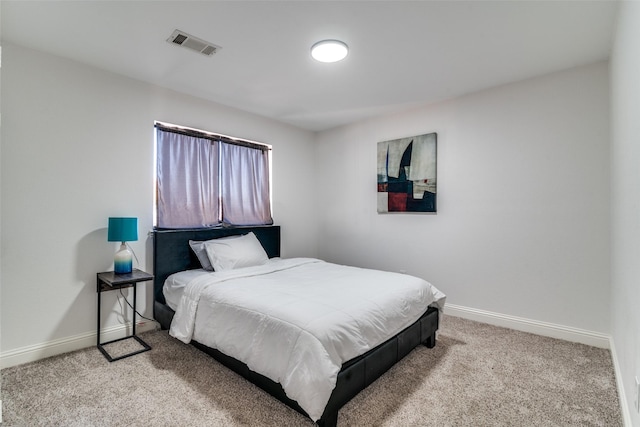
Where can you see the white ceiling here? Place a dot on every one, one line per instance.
(402, 54)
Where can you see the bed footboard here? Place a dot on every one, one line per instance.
(355, 375)
(163, 314)
(360, 372)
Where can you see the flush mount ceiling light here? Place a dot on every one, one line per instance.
(329, 51)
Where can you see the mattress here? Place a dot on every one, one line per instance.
(296, 321)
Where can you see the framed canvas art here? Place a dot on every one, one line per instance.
(407, 174)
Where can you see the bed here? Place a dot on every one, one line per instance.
(173, 254)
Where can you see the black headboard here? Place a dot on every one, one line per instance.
(171, 251)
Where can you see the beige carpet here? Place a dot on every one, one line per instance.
(477, 375)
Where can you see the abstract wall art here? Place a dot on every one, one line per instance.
(407, 174)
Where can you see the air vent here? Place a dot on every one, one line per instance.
(183, 39)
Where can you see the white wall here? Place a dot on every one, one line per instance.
(522, 227)
(625, 199)
(523, 207)
(77, 147)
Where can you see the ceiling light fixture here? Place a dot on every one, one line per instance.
(329, 51)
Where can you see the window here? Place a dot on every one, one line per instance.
(204, 179)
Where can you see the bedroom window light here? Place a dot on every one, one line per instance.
(205, 179)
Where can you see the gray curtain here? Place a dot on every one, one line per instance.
(187, 177)
(245, 185)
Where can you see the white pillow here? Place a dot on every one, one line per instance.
(201, 253)
(198, 248)
(228, 253)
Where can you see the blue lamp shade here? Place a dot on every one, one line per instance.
(123, 230)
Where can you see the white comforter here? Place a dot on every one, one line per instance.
(296, 321)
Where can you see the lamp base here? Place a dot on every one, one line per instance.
(123, 262)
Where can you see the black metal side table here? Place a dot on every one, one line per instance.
(109, 281)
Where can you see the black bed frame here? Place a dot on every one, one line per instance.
(172, 254)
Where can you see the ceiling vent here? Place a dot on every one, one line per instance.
(183, 39)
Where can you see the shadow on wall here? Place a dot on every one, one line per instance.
(93, 255)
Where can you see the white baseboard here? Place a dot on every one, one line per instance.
(622, 396)
(64, 345)
(566, 333)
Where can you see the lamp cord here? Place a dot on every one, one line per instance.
(133, 252)
(133, 308)
(123, 296)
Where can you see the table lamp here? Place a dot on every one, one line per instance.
(123, 230)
